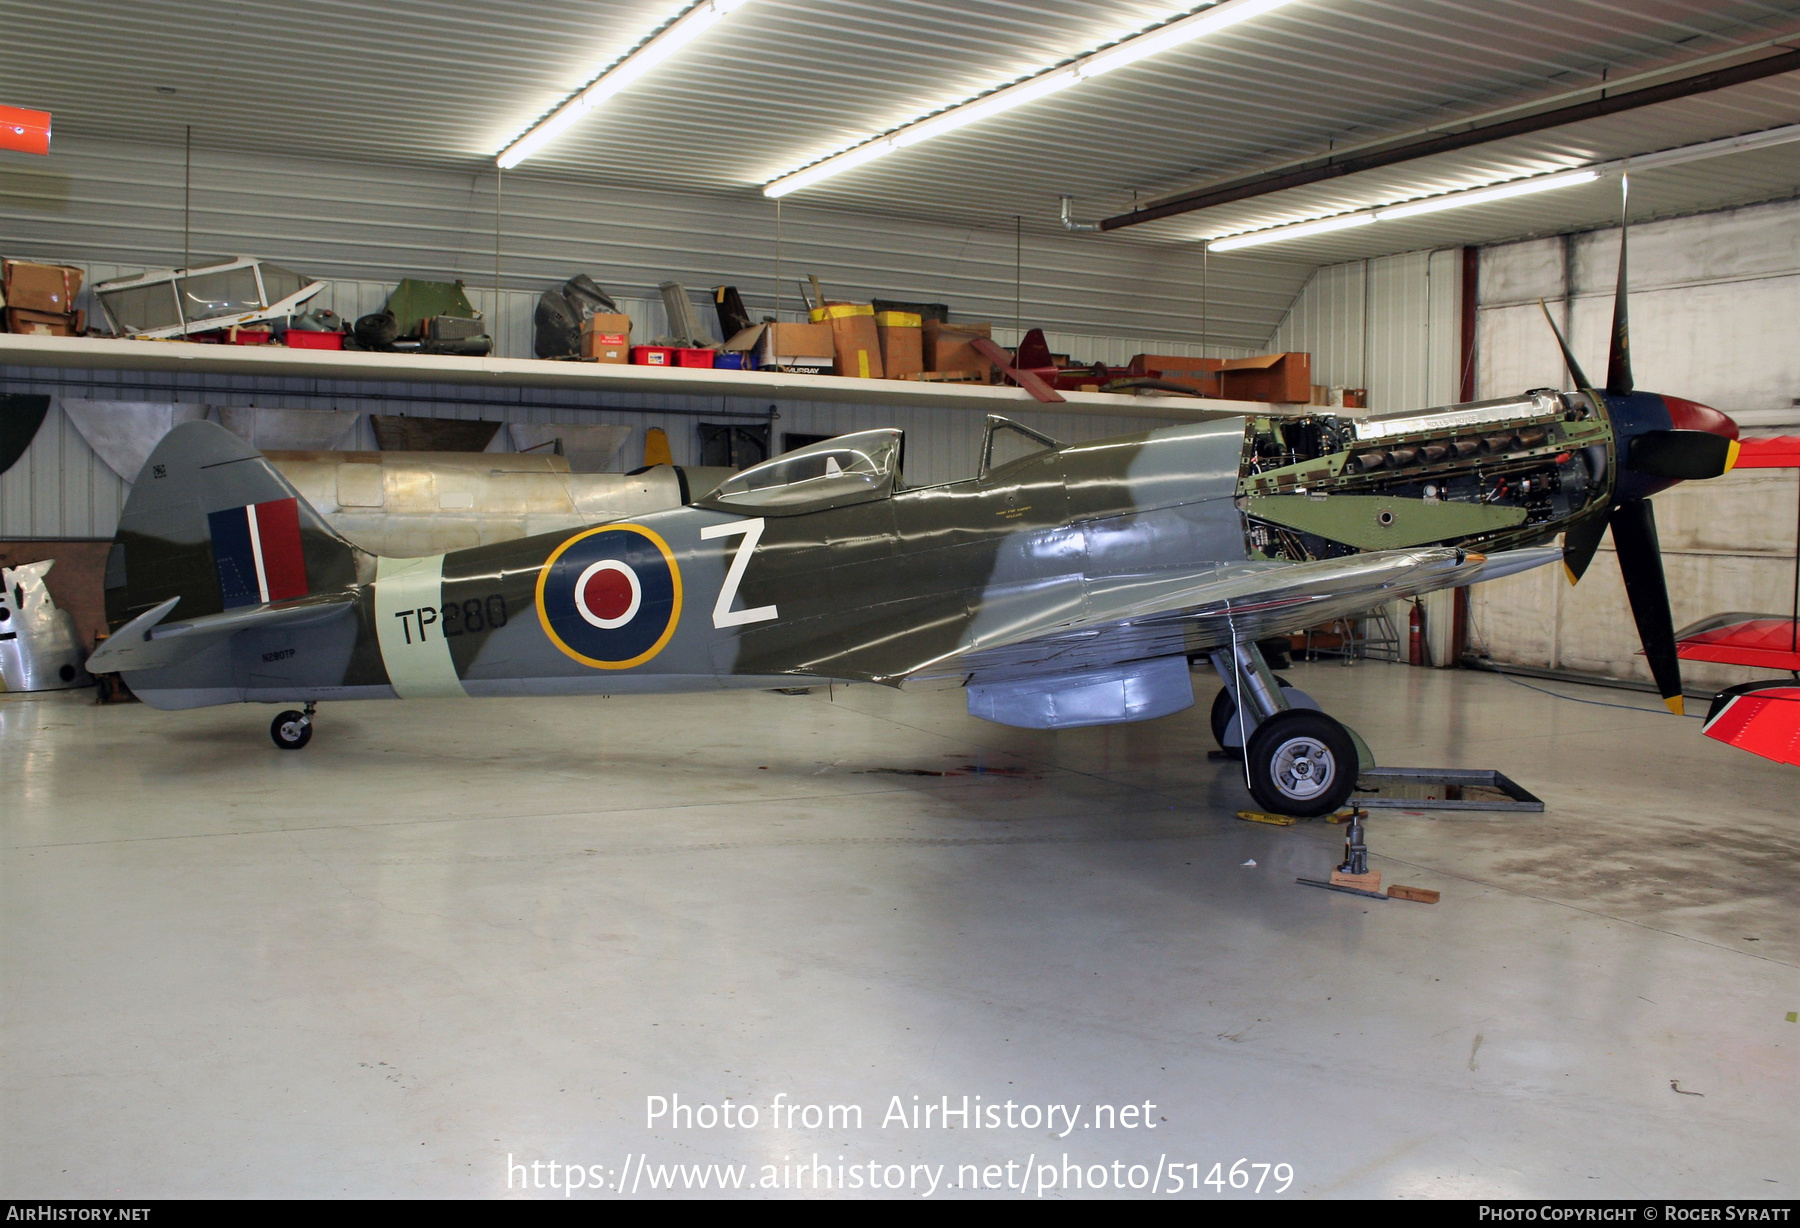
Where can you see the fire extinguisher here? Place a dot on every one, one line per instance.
(1415, 636)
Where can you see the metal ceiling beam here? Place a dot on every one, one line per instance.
(1446, 142)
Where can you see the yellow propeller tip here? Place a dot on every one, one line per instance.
(1570, 572)
(1731, 456)
(1676, 705)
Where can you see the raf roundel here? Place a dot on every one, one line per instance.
(610, 597)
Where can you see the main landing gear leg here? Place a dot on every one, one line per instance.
(1300, 762)
(292, 730)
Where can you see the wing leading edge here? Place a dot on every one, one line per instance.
(1144, 617)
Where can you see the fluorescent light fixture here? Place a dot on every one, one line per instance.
(806, 178)
(1157, 41)
(1257, 238)
(1038, 85)
(983, 108)
(1391, 213)
(673, 37)
(1481, 196)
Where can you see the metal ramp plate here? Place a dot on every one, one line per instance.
(1399, 788)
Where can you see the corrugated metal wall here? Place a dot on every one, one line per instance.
(1327, 322)
(1390, 325)
(100, 201)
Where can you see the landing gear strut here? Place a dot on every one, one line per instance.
(1300, 761)
(293, 730)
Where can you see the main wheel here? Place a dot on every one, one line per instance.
(291, 730)
(1223, 710)
(1302, 763)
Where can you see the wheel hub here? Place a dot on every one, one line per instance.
(1303, 768)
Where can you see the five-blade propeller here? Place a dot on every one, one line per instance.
(1659, 440)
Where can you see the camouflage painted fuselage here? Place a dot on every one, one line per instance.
(226, 586)
(868, 590)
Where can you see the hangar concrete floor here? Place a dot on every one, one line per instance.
(449, 934)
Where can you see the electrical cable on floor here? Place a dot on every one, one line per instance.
(1487, 656)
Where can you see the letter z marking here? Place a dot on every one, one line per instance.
(723, 614)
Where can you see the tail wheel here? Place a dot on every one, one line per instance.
(1302, 763)
(291, 730)
(1223, 710)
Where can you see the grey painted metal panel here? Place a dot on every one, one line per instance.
(1326, 321)
(1399, 323)
(60, 487)
(1391, 325)
(1443, 358)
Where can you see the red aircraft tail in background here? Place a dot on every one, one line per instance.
(1760, 717)
(1778, 452)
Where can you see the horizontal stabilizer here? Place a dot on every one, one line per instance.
(1760, 717)
(1760, 641)
(146, 642)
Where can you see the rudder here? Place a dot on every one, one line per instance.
(212, 522)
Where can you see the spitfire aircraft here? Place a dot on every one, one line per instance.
(1061, 586)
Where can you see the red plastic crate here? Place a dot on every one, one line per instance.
(693, 358)
(653, 355)
(305, 339)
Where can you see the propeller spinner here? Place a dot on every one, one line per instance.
(1661, 440)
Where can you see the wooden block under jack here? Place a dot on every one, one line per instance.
(1370, 882)
(1342, 816)
(1257, 816)
(1420, 895)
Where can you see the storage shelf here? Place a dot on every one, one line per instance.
(107, 354)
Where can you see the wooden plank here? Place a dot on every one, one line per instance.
(1421, 895)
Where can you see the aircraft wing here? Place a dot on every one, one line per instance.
(1761, 641)
(147, 642)
(1135, 618)
(1760, 717)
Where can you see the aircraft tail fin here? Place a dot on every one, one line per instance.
(210, 521)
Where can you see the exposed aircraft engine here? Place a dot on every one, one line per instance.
(1487, 474)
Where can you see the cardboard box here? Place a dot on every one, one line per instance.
(902, 336)
(1200, 374)
(805, 348)
(855, 341)
(606, 337)
(1267, 377)
(45, 323)
(925, 311)
(40, 287)
(949, 347)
